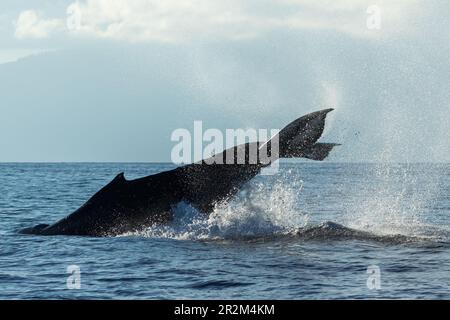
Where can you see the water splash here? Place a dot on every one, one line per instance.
(260, 209)
(394, 202)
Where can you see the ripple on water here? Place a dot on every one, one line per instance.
(219, 284)
(272, 242)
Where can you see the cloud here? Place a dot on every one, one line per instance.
(166, 21)
(30, 24)
(180, 21)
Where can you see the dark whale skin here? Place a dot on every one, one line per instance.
(131, 205)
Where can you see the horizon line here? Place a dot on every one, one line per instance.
(168, 162)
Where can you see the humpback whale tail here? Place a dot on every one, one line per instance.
(299, 138)
(296, 140)
(126, 205)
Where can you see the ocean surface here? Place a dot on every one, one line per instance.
(311, 231)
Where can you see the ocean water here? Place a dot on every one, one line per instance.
(312, 231)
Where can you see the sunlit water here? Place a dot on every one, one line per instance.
(311, 231)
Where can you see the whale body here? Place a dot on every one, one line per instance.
(131, 205)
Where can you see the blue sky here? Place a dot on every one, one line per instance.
(95, 80)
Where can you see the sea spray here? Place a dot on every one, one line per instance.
(394, 201)
(264, 207)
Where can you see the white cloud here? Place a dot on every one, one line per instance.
(169, 20)
(30, 24)
(177, 21)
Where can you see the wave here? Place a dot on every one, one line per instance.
(329, 231)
